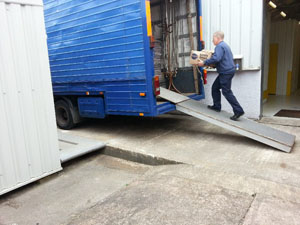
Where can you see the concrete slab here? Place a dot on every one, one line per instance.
(185, 194)
(269, 210)
(81, 185)
(168, 200)
(249, 185)
(188, 140)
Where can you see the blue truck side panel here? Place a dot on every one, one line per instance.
(92, 107)
(102, 46)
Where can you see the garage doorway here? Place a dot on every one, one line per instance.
(281, 77)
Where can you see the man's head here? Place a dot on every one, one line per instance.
(218, 37)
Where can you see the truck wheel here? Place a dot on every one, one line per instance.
(64, 117)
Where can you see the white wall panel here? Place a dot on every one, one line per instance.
(241, 21)
(245, 86)
(25, 2)
(28, 137)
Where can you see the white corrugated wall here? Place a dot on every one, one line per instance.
(28, 136)
(242, 23)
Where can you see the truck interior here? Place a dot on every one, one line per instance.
(281, 77)
(175, 32)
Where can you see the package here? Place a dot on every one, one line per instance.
(198, 56)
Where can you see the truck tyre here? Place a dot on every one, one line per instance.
(64, 118)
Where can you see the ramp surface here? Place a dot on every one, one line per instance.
(249, 128)
(72, 146)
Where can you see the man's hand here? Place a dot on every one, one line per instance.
(201, 63)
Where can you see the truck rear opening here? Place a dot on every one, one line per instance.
(174, 27)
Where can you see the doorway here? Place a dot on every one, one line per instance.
(281, 77)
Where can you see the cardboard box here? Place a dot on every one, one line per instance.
(198, 56)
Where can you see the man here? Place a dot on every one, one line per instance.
(223, 60)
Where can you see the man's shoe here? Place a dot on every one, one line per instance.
(213, 108)
(235, 117)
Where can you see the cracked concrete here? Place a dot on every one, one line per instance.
(270, 210)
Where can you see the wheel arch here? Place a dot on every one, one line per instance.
(73, 106)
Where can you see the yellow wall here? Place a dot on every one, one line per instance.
(266, 94)
(272, 77)
(289, 83)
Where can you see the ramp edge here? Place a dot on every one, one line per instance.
(235, 129)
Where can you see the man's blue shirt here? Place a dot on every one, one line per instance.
(222, 59)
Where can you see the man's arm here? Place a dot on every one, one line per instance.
(217, 56)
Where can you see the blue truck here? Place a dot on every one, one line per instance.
(101, 55)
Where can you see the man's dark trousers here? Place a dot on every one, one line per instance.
(223, 82)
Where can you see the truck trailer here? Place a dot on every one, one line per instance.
(111, 57)
(116, 57)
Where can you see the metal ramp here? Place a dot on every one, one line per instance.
(72, 146)
(249, 128)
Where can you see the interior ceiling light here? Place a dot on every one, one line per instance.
(283, 14)
(272, 4)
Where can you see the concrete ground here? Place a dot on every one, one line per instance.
(224, 178)
(187, 140)
(82, 184)
(185, 194)
(236, 162)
